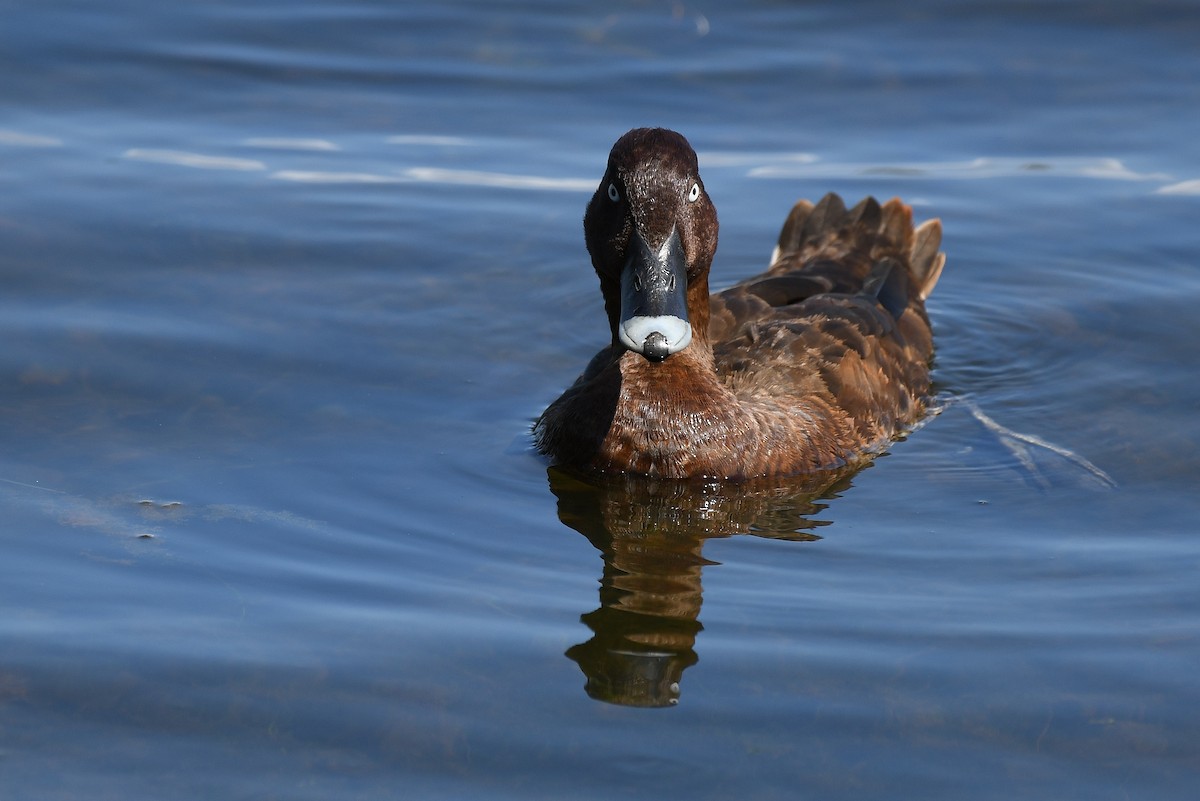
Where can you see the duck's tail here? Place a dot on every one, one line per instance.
(891, 222)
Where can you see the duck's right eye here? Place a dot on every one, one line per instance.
(613, 194)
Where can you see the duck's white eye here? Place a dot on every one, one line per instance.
(694, 194)
(613, 194)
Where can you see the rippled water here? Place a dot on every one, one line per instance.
(285, 284)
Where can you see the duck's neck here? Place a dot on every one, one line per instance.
(672, 415)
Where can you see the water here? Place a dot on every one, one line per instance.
(285, 284)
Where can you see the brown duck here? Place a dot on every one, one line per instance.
(814, 365)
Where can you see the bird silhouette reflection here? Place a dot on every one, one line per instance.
(651, 535)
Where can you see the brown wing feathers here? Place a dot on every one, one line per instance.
(842, 301)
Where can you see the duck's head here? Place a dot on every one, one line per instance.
(651, 231)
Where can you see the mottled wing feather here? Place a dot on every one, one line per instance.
(866, 214)
(888, 283)
(828, 215)
(838, 318)
(792, 233)
(927, 262)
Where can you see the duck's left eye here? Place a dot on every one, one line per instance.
(613, 194)
(694, 194)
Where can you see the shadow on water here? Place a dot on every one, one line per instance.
(651, 535)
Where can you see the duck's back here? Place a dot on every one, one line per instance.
(838, 320)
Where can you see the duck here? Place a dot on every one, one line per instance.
(816, 364)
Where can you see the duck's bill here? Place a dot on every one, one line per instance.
(654, 318)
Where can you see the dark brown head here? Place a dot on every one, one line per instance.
(651, 231)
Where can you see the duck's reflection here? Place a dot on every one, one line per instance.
(651, 535)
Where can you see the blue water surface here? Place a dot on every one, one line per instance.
(284, 285)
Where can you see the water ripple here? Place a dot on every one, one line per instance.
(197, 160)
(982, 167)
(19, 139)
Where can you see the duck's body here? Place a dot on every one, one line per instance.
(816, 362)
